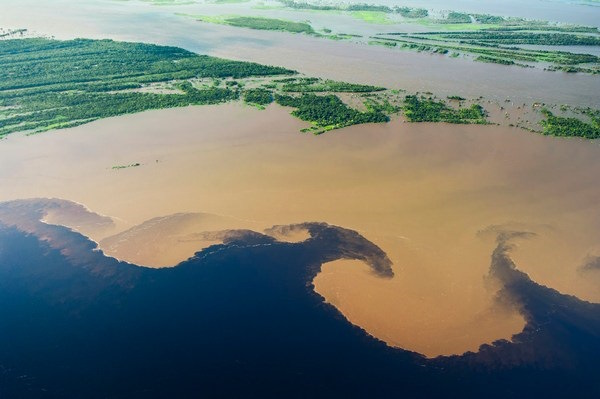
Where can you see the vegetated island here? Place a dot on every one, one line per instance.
(487, 38)
(131, 165)
(264, 23)
(51, 84)
(47, 84)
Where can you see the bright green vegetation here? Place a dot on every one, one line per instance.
(408, 12)
(260, 23)
(270, 24)
(133, 165)
(328, 112)
(307, 85)
(373, 17)
(48, 84)
(571, 127)
(258, 96)
(422, 109)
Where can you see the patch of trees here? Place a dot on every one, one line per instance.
(258, 96)
(421, 109)
(328, 111)
(570, 127)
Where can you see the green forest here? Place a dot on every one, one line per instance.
(47, 84)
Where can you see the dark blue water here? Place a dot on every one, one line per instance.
(241, 320)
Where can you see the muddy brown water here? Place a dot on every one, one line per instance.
(425, 193)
